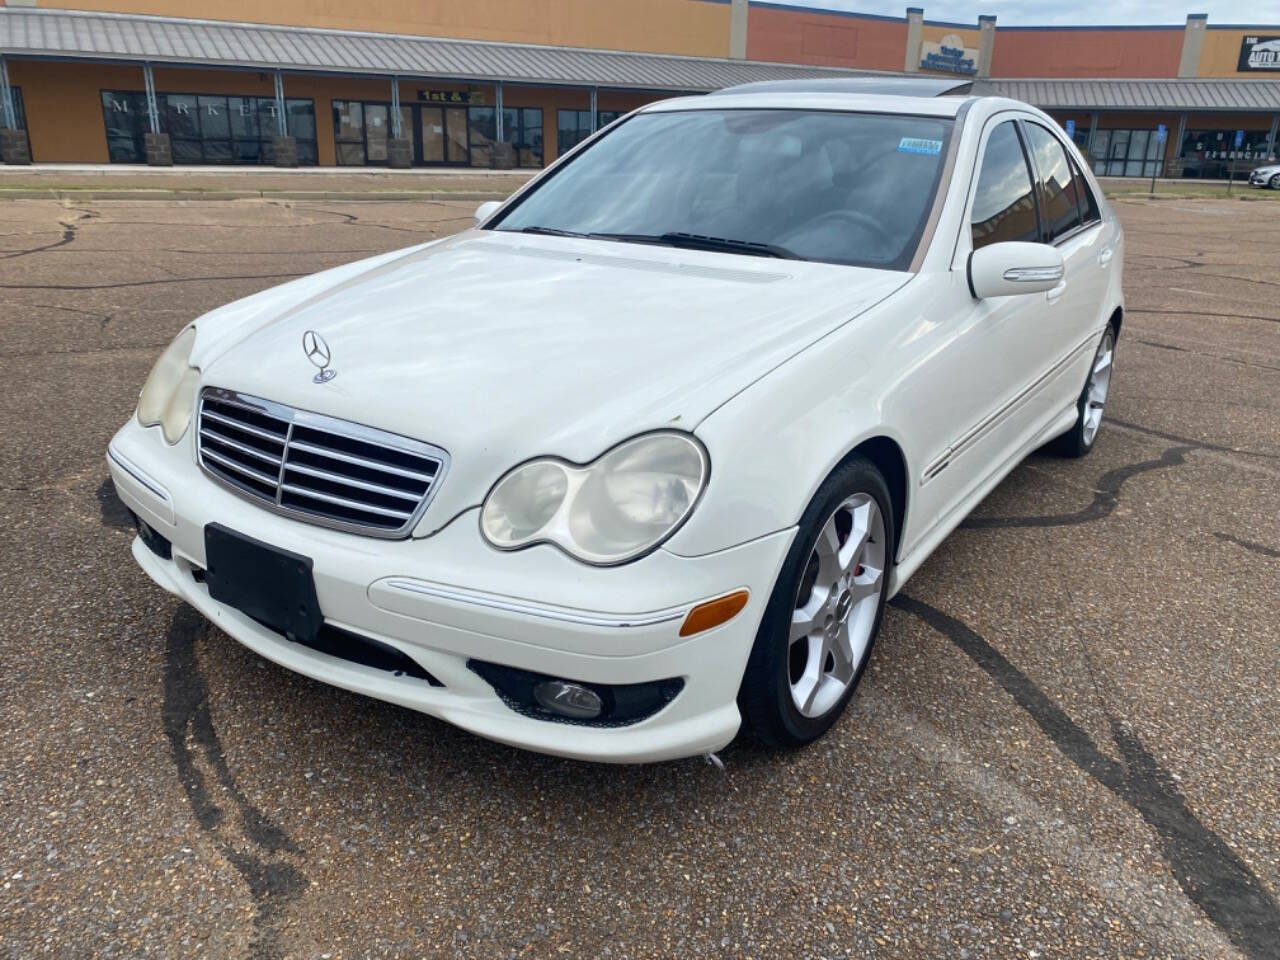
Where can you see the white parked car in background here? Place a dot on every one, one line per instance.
(1266, 176)
(639, 459)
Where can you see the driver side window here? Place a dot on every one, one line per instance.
(1004, 207)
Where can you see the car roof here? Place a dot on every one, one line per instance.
(944, 106)
(883, 84)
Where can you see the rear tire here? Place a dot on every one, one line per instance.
(824, 613)
(1079, 440)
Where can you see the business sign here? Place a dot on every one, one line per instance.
(1259, 53)
(1239, 139)
(1162, 133)
(1071, 129)
(950, 55)
(450, 96)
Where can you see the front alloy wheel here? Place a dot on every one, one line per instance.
(1274, 182)
(822, 618)
(836, 605)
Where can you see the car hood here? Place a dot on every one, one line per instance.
(499, 347)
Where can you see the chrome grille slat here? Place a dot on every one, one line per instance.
(305, 447)
(344, 502)
(316, 468)
(244, 448)
(350, 482)
(238, 467)
(242, 427)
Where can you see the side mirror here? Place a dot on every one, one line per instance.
(487, 210)
(1010, 268)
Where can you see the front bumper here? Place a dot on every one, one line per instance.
(451, 598)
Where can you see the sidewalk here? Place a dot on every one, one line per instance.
(128, 182)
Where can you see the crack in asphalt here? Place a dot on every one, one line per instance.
(1202, 353)
(1204, 866)
(1106, 496)
(260, 851)
(1191, 441)
(68, 236)
(1206, 313)
(1249, 545)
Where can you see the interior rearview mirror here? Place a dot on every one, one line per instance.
(486, 210)
(1010, 268)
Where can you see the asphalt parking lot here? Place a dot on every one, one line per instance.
(1067, 743)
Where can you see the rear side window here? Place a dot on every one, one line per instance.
(1060, 199)
(1088, 206)
(1004, 207)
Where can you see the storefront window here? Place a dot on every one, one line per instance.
(455, 135)
(482, 129)
(522, 128)
(574, 126)
(1126, 153)
(1212, 154)
(205, 128)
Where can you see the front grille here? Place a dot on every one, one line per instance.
(316, 468)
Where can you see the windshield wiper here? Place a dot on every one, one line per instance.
(697, 241)
(551, 232)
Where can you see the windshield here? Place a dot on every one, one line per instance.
(852, 188)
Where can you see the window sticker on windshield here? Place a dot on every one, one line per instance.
(930, 148)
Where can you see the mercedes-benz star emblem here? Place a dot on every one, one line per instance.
(317, 352)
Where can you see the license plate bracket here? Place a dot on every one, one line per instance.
(271, 585)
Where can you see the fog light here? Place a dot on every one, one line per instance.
(568, 699)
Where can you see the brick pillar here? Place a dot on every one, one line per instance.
(400, 154)
(286, 151)
(915, 28)
(986, 43)
(14, 146)
(159, 151)
(502, 156)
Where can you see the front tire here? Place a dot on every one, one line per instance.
(1079, 440)
(820, 623)
(1274, 182)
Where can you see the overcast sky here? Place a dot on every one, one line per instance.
(1033, 12)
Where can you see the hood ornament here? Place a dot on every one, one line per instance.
(317, 351)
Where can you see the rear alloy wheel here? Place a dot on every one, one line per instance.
(817, 631)
(1079, 440)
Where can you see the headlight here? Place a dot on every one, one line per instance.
(609, 511)
(169, 394)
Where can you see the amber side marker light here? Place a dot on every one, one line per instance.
(713, 613)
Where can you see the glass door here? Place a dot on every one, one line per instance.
(455, 132)
(376, 132)
(431, 130)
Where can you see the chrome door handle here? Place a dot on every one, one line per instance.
(1056, 293)
(1105, 256)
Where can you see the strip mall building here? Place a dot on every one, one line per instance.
(517, 82)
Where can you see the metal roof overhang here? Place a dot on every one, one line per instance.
(171, 41)
(1154, 95)
(76, 35)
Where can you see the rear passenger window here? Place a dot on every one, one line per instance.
(1088, 206)
(1059, 191)
(1004, 207)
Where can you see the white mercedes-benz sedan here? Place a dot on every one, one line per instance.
(636, 462)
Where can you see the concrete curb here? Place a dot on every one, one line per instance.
(329, 195)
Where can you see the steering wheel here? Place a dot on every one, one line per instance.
(868, 232)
